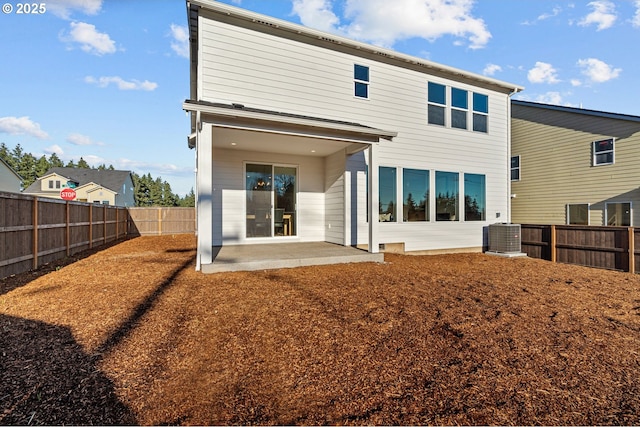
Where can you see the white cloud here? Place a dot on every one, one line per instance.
(491, 69)
(543, 73)
(55, 148)
(576, 82)
(603, 15)
(543, 17)
(636, 18)
(316, 14)
(180, 42)
(21, 126)
(64, 8)
(598, 71)
(550, 98)
(384, 22)
(90, 40)
(121, 83)
(79, 139)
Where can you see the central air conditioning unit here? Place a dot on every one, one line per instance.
(505, 238)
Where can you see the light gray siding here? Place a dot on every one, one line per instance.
(556, 169)
(263, 70)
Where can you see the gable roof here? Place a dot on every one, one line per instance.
(11, 169)
(110, 179)
(576, 110)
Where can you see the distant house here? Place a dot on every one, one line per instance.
(305, 136)
(110, 187)
(10, 181)
(574, 166)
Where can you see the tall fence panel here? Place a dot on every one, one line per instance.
(35, 231)
(157, 221)
(614, 248)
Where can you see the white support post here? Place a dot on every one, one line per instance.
(204, 177)
(373, 199)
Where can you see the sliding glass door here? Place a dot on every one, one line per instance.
(270, 200)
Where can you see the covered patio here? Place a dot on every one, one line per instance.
(284, 255)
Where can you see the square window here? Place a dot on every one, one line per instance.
(578, 214)
(362, 90)
(480, 103)
(603, 152)
(360, 72)
(618, 214)
(458, 119)
(435, 115)
(480, 123)
(437, 93)
(459, 98)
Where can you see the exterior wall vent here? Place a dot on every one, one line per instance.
(504, 238)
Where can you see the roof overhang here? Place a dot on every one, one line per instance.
(236, 128)
(270, 25)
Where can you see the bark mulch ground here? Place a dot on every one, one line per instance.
(133, 335)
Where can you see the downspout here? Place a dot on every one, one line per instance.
(508, 219)
(198, 127)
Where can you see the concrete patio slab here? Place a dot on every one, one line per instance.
(284, 255)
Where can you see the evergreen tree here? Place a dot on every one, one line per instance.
(83, 164)
(42, 166)
(189, 200)
(71, 164)
(54, 161)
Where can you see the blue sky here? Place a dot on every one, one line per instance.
(105, 79)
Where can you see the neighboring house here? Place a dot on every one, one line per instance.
(109, 187)
(574, 166)
(306, 136)
(10, 181)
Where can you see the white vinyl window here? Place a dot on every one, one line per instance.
(603, 152)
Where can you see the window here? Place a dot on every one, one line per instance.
(51, 184)
(459, 107)
(618, 214)
(447, 195)
(437, 98)
(603, 152)
(515, 168)
(578, 214)
(480, 112)
(361, 80)
(415, 195)
(474, 197)
(387, 188)
(58, 184)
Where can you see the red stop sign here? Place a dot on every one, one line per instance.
(68, 194)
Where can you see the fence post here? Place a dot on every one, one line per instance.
(159, 221)
(104, 224)
(552, 244)
(632, 251)
(90, 225)
(35, 233)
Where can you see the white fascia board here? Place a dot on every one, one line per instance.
(339, 40)
(284, 119)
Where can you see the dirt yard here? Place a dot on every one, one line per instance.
(133, 335)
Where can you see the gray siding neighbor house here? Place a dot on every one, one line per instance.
(574, 166)
(10, 181)
(109, 187)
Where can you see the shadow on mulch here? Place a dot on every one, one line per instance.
(21, 279)
(47, 379)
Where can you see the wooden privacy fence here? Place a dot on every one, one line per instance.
(611, 248)
(35, 231)
(157, 221)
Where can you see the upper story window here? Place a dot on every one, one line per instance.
(515, 168)
(437, 97)
(459, 108)
(603, 152)
(480, 112)
(361, 81)
(51, 184)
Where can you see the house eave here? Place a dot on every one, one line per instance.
(271, 24)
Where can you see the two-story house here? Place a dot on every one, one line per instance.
(109, 187)
(574, 166)
(305, 136)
